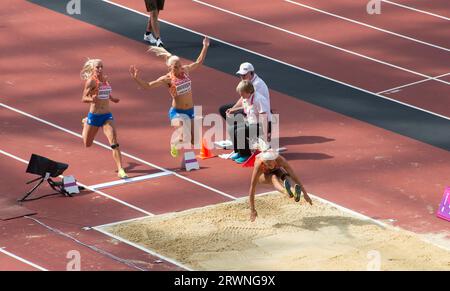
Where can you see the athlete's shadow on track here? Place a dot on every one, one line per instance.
(303, 139)
(131, 169)
(298, 140)
(306, 156)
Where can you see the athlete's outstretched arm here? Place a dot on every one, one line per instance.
(201, 57)
(147, 85)
(257, 171)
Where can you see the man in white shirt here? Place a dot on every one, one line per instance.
(257, 111)
(247, 72)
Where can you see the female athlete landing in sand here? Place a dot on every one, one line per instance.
(97, 92)
(271, 168)
(179, 84)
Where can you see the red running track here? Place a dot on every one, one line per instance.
(327, 61)
(354, 164)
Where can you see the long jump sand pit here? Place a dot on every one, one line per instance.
(285, 236)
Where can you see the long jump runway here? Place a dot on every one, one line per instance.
(382, 158)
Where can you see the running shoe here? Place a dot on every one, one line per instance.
(299, 190)
(173, 151)
(235, 156)
(150, 38)
(287, 186)
(241, 159)
(122, 174)
(159, 42)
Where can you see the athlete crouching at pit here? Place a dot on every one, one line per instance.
(97, 92)
(272, 168)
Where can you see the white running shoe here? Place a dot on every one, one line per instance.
(159, 42)
(150, 38)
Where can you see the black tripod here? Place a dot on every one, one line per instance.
(57, 186)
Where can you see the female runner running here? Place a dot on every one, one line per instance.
(97, 92)
(179, 84)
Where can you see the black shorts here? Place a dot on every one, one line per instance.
(279, 172)
(152, 5)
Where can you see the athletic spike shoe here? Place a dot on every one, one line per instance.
(159, 43)
(287, 186)
(241, 159)
(150, 38)
(307, 198)
(298, 192)
(173, 151)
(122, 174)
(235, 156)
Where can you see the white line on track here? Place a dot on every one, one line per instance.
(123, 153)
(316, 41)
(413, 83)
(416, 10)
(368, 25)
(2, 250)
(87, 187)
(281, 62)
(185, 178)
(128, 180)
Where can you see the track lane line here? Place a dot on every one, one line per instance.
(2, 250)
(413, 83)
(87, 187)
(128, 180)
(368, 25)
(123, 153)
(281, 62)
(415, 9)
(148, 214)
(316, 41)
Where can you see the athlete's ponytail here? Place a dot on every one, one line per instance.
(162, 52)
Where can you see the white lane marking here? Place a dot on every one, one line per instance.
(413, 83)
(281, 62)
(2, 250)
(128, 180)
(368, 25)
(416, 10)
(316, 41)
(87, 187)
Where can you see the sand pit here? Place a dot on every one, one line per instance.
(285, 236)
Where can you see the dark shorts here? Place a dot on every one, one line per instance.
(279, 172)
(98, 119)
(154, 5)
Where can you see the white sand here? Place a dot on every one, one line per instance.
(285, 236)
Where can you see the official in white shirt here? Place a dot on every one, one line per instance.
(257, 112)
(247, 72)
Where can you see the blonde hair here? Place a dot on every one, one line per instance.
(266, 153)
(88, 68)
(245, 86)
(260, 144)
(162, 52)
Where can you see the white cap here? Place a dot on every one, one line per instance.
(268, 155)
(245, 68)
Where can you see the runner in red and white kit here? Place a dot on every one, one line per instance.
(180, 87)
(97, 92)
